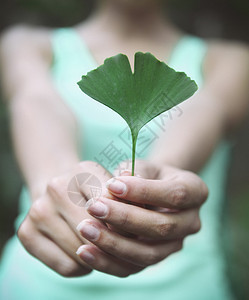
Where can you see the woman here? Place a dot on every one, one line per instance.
(59, 133)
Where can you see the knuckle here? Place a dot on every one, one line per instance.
(196, 225)
(144, 190)
(25, 235)
(68, 268)
(179, 195)
(55, 186)
(23, 231)
(124, 218)
(112, 245)
(153, 257)
(165, 229)
(39, 211)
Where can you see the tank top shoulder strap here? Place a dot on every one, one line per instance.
(188, 56)
(69, 48)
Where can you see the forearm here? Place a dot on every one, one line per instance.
(212, 114)
(44, 139)
(189, 140)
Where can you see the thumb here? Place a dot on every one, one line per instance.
(143, 168)
(92, 180)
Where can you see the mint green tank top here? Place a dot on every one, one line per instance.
(195, 273)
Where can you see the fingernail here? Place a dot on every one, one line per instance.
(116, 186)
(90, 202)
(128, 172)
(97, 209)
(85, 255)
(125, 172)
(88, 231)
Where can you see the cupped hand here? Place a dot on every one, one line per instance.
(49, 229)
(166, 210)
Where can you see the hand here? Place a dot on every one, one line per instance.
(173, 200)
(49, 230)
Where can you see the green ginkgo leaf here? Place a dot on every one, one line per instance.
(137, 97)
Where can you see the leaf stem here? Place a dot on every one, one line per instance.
(134, 142)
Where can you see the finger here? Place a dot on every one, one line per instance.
(105, 263)
(49, 223)
(91, 183)
(85, 181)
(49, 253)
(178, 193)
(144, 169)
(144, 222)
(64, 237)
(123, 169)
(132, 250)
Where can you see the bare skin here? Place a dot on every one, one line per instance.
(39, 117)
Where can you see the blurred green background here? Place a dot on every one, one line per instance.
(210, 19)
